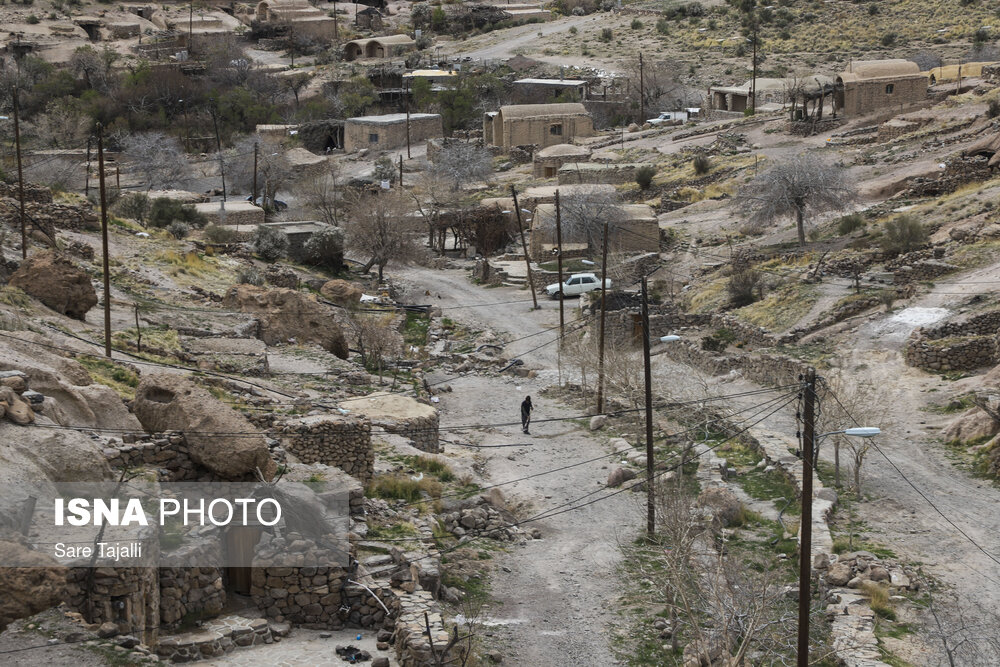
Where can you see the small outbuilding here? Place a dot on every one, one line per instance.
(547, 161)
(547, 91)
(879, 85)
(388, 46)
(389, 131)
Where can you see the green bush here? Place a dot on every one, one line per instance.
(220, 234)
(32, 19)
(269, 243)
(888, 39)
(178, 229)
(325, 248)
(903, 234)
(850, 223)
(250, 276)
(163, 211)
(702, 165)
(636, 24)
(644, 176)
(663, 26)
(607, 34)
(134, 205)
(993, 109)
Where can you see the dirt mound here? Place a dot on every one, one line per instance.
(285, 314)
(172, 403)
(58, 283)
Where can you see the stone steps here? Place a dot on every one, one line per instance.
(217, 638)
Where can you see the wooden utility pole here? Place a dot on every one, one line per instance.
(20, 176)
(753, 79)
(524, 247)
(118, 179)
(86, 181)
(642, 95)
(562, 316)
(400, 171)
(805, 543)
(218, 145)
(600, 344)
(190, 25)
(650, 490)
(138, 331)
(406, 101)
(256, 149)
(336, 32)
(104, 242)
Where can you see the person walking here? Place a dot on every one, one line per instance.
(526, 413)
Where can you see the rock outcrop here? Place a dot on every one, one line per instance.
(341, 293)
(25, 591)
(285, 314)
(57, 282)
(172, 403)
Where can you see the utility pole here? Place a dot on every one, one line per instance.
(20, 176)
(256, 149)
(86, 181)
(562, 316)
(650, 491)
(190, 24)
(600, 344)
(406, 101)
(805, 543)
(118, 179)
(218, 145)
(336, 33)
(524, 247)
(642, 90)
(400, 171)
(104, 242)
(753, 80)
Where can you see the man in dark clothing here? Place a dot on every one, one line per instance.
(525, 413)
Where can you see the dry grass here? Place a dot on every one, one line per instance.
(878, 598)
(781, 309)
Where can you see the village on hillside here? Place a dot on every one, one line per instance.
(572, 332)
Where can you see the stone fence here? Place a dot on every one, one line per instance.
(421, 431)
(167, 453)
(961, 345)
(333, 440)
(32, 192)
(983, 324)
(762, 368)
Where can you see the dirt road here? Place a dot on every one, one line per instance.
(553, 596)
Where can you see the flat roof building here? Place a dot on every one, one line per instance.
(389, 131)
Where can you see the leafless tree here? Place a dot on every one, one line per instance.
(968, 634)
(584, 213)
(274, 171)
(857, 403)
(322, 195)
(156, 158)
(61, 125)
(378, 340)
(96, 66)
(796, 187)
(378, 226)
(459, 163)
(60, 174)
(662, 84)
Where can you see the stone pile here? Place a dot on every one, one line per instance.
(482, 519)
(340, 441)
(853, 569)
(282, 276)
(15, 398)
(167, 453)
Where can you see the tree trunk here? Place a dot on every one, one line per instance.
(800, 226)
(368, 266)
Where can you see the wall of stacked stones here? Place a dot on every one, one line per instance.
(167, 453)
(32, 192)
(765, 369)
(421, 431)
(49, 215)
(951, 354)
(128, 597)
(342, 442)
(983, 324)
(187, 592)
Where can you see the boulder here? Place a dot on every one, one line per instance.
(597, 422)
(619, 476)
(724, 504)
(16, 409)
(282, 276)
(285, 314)
(878, 573)
(57, 282)
(839, 574)
(26, 591)
(165, 402)
(973, 424)
(341, 293)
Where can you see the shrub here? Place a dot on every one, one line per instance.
(663, 26)
(993, 109)
(850, 223)
(385, 170)
(32, 19)
(745, 285)
(607, 34)
(178, 229)
(903, 234)
(644, 176)
(573, 30)
(269, 243)
(888, 39)
(134, 205)
(325, 248)
(879, 599)
(220, 234)
(872, 9)
(424, 42)
(636, 24)
(250, 276)
(163, 211)
(702, 165)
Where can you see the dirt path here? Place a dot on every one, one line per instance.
(553, 596)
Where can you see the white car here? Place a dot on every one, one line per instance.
(668, 117)
(577, 284)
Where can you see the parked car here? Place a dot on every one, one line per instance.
(577, 284)
(673, 117)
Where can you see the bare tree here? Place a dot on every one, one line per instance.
(796, 187)
(59, 174)
(378, 227)
(156, 158)
(61, 125)
(274, 171)
(459, 163)
(662, 85)
(856, 404)
(968, 634)
(585, 211)
(377, 339)
(322, 195)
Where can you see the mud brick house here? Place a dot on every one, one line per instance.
(299, 15)
(389, 131)
(543, 91)
(632, 228)
(879, 85)
(537, 124)
(547, 161)
(379, 47)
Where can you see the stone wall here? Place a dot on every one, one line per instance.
(127, 597)
(422, 431)
(764, 369)
(983, 324)
(49, 216)
(570, 173)
(168, 453)
(951, 354)
(190, 592)
(32, 192)
(333, 440)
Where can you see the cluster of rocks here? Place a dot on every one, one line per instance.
(958, 171)
(16, 399)
(341, 293)
(855, 568)
(190, 590)
(280, 275)
(484, 519)
(57, 282)
(167, 453)
(344, 442)
(285, 315)
(218, 638)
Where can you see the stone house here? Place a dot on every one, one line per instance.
(541, 125)
(879, 85)
(547, 91)
(301, 16)
(369, 18)
(389, 131)
(779, 92)
(632, 228)
(547, 161)
(387, 46)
